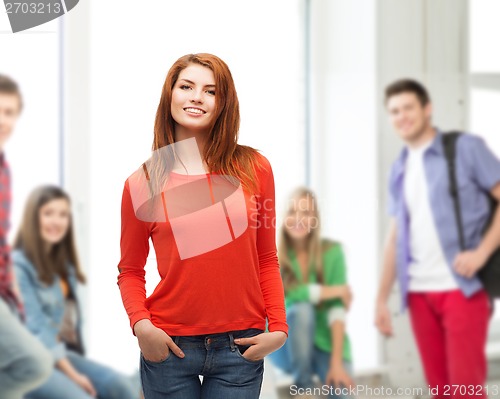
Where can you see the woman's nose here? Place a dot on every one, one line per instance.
(197, 97)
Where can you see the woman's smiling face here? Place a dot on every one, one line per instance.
(301, 218)
(193, 98)
(54, 217)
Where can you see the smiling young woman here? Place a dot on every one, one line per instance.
(215, 247)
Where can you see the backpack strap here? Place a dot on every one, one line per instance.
(449, 145)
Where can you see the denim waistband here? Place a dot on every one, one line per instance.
(215, 341)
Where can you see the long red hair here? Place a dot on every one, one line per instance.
(222, 153)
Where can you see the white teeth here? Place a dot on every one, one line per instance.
(194, 110)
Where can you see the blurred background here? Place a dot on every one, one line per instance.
(310, 76)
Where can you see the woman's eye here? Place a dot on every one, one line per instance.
(185, 87)
(211, 92)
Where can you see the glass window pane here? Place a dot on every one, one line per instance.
(484, 119)
(484, 31)
(485, 122)
(261, 43)
(32, 60)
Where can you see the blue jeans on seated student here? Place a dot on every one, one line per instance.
(108, 383)
(299, 356)
(226, 373)
(24, 361)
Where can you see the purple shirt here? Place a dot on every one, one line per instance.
(477, 171)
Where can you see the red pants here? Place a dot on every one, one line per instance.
(450, 331)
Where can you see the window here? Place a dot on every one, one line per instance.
(32, 59)
(484, 95)
(484, 29)
(129, 62)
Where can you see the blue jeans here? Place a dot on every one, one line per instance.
(226, 373)
(24, 361)
(108, 383)
(299, 356)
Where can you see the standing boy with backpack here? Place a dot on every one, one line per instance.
(449, 308)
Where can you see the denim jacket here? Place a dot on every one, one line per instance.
(44, 304)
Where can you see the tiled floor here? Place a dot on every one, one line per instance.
(276, 386)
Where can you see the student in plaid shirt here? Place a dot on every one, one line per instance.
(24, 362)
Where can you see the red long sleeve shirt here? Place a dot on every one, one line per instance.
(205, 287)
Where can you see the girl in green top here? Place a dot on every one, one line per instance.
(317, 297)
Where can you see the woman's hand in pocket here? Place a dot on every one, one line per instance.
(155, 343)
(262, 344)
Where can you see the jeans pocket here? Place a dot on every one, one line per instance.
(150, 362)
(240, 355)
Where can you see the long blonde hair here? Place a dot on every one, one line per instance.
(315, 247)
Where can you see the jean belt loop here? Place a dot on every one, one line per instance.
(176, 339)
(231, 342)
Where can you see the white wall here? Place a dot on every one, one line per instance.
(344, 160)
(424, 40)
